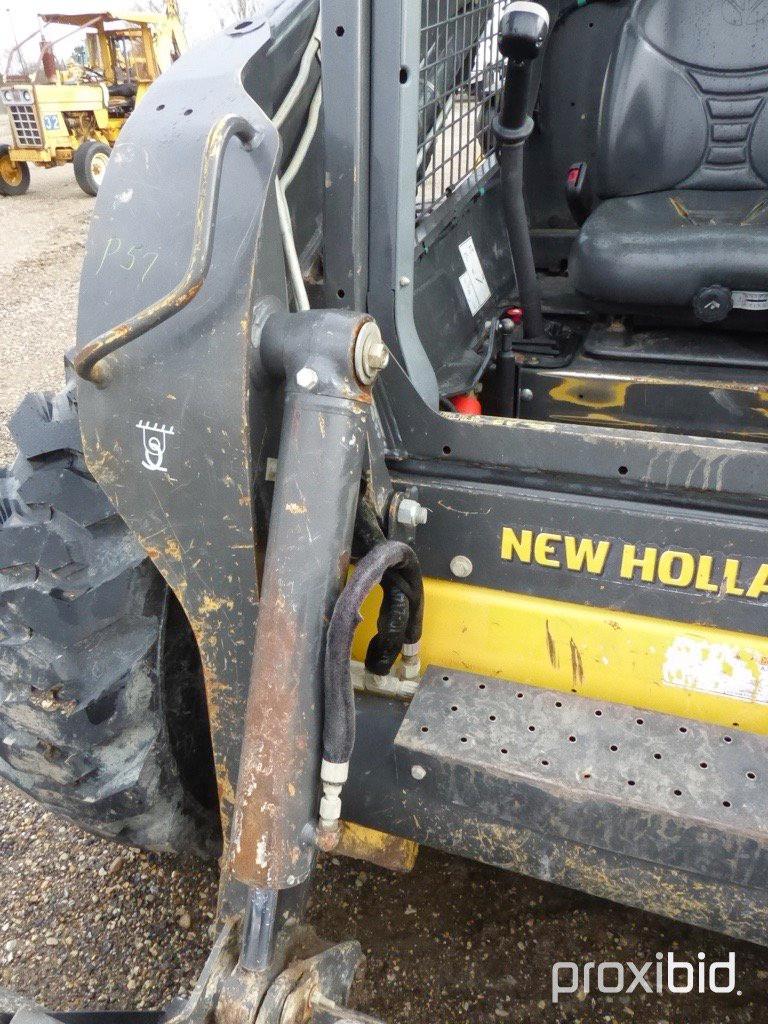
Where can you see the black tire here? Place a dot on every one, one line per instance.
(14, 174)
(102, 713)
(89, 162)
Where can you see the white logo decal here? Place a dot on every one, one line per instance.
(667, 974)
(155, 438)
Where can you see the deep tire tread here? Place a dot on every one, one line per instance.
(82, 718)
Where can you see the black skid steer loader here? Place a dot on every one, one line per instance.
(410, 482)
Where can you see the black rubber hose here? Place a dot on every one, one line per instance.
(390, 629)
(368, 531)
(394, 615)
(339, 710)
(511, 163)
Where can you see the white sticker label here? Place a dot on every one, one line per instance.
(474, 282)
(716, 668)
(750, 300)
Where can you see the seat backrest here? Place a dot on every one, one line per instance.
(684, 101)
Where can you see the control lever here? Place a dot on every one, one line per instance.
(523, 33)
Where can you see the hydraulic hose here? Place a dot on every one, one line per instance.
(293, 265)
(305, 70)
(394, 615)
(511, 159)
(339, 714)
(368, 531)
(391, 627)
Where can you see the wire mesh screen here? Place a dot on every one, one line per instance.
(460, 80)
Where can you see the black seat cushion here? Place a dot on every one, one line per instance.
(661, 249)
(683, 156)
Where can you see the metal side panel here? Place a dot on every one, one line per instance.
(395, 40)
(167, 433)
(719, 571)
(346, 46)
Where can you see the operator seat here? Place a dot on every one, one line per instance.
(682, 169)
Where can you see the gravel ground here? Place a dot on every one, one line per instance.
(87, 923)
(42, 236)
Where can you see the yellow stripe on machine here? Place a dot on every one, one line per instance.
(693, 671)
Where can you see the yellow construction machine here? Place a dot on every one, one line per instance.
(73, 112)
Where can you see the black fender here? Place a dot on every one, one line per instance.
(167, 425)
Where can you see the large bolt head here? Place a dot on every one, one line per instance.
(371, 354)
(378, 356)
(306, 378)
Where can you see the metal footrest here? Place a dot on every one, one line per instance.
(635, 785)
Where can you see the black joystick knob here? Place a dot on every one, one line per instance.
(523, 31)
(522, 35)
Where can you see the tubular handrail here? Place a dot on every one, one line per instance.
(87, 359)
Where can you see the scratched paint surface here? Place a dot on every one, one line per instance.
(169, 436)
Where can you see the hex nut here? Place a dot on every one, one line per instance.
(306, 378)
(461, 566)
(378, 356)
(411, 513)
(371, 354)
(418, 772)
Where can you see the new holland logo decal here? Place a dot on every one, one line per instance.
(707, 574)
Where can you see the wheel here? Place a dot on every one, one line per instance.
(14, 174)
(90, 162)
(102, 709)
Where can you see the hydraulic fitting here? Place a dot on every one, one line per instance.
(411, 660)
(333, 776)
(411, 513)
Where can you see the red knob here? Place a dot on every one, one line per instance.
(467, 405)
(515, 314)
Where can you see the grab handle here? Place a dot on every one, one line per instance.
(87, 359)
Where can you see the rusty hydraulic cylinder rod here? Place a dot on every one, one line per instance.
(324, 357)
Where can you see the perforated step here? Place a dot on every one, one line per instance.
(668, 790)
